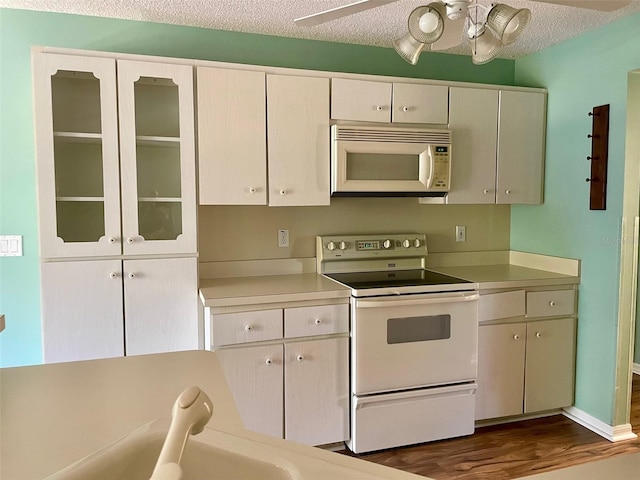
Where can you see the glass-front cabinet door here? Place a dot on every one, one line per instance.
(157, 155)
(77, 149)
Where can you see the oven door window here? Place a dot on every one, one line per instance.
(418, 329)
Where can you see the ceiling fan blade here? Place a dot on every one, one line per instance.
(602, 5)
(339, 12)
(452, 35)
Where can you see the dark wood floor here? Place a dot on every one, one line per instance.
(512, 450)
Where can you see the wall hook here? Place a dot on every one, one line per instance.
(599, 157)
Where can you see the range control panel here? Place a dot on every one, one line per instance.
(364, 247)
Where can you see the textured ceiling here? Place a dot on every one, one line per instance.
(550, 24)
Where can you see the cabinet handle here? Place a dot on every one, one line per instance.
(130, 240)
(268, 361)
(283, 192)
(552, 303)
(405, 109)
(252, 190)
(300, 358)
(508, 192)
(132, 275)
(516, 337)
(113, 275)
(317, 321)
(485, 191)
(379, 108)
(248, 328)
(538, 334)
(112, 239)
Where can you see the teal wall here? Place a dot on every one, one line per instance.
(582, 73)
(20, 343)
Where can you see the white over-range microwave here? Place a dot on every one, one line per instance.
(390, 161)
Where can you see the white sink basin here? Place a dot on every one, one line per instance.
(210, 455)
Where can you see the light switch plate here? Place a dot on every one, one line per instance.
(10, 245)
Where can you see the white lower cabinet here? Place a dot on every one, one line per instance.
(525, 367)
(109, 308)
(294, 388)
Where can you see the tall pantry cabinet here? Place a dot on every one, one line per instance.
(117, 206)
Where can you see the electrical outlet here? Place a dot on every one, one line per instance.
(283, 238)
(461, 233)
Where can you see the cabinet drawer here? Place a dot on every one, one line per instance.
(501, 305)
(245, 327)
(551, 303)
(318, 320)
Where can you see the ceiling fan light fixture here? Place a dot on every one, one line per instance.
(485, 48)
(508, 22)
(457, 9)
(409, 48)
(426, 24)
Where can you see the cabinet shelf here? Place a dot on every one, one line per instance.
(78, 137)
(160, 199)
(79, 199)
(153, 141)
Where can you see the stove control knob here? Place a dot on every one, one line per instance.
(331, 246)
(386, 244)
(342, 246)
(406, 243)
(417, 243)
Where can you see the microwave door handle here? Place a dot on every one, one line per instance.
(429, 180)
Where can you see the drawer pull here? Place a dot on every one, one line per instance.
(317, 321)
(248, 328)
(300, 358)
(552, 303)
(268, 361)
(516, 337)
(538, 334)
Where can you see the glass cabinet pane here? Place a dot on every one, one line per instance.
(158, 167)
(78, 162)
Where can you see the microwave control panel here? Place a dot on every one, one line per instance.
(441, 167)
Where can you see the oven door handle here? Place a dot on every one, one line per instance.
(417, 301)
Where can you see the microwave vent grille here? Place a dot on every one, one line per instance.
(394, 135)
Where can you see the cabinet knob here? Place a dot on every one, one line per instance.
(379, 108)
(300, 358)
(252, 190)
(516, 337)
(485, 191)
(113, 275)
(552, 303)
(112, 239)
(283, 192)
(508, 192)
(130, 240)
(268, 361)
(132, 275)
(248, 328)
(538, 334)
(405, 109)
(317, 321)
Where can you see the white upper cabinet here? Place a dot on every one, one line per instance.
(498, 146)
(157, 152)
(371, 101)
(298, 140)
(75, 102)
(82, 173)
(232, 148)
(473, 119)
(521, 146)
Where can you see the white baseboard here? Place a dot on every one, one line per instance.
(636, 368)
(616, 433)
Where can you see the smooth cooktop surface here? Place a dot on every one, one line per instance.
(397, 278)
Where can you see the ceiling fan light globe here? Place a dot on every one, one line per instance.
(508, 22)
(485, 47)
(409, 48)
(426, 23)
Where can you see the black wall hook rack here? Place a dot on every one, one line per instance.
(599, 152)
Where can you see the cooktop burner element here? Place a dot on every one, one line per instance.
(398, 278)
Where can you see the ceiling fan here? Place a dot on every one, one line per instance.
(443, 24)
